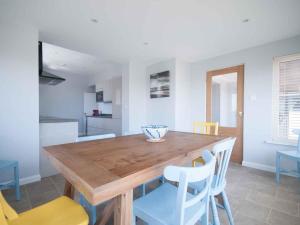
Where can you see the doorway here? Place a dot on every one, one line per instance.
(225, 104)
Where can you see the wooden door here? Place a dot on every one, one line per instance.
(225, 104)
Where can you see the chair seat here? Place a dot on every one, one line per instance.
(158, 207)
(291, 154)
(61, 211)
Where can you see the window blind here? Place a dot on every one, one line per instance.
(286, 96)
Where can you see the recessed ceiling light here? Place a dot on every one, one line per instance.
(146, 43)
(245, 20)
(94, 20)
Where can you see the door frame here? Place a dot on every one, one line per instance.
(238, 131)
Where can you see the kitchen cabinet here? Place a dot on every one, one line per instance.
(59, 131)
(98, 125)
(89, 103)
(106, 87)
(107, 91)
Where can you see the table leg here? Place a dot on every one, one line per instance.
(69, 190)
(123, 209)
(106, 213)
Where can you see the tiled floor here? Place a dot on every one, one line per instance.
(254, 197)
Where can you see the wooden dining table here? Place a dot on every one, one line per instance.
(108, 170)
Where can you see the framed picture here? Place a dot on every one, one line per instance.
(160, 85)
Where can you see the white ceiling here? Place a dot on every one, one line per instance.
(187, 29)
(60, 60)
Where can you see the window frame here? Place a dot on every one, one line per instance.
(275, 98)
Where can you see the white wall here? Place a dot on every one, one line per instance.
(19, 93)
(125, 99)
(140, 109)
(161, 110)
(183, 102)
(133, 97)
(65, 100)
(258, 83)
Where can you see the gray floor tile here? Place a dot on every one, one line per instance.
(241, 219)
(280, 218)
(274, 203)
(254, 197)
(253, 210)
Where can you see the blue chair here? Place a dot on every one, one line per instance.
(222, 152)
(291, 155)
(6, 165)
(171, 205)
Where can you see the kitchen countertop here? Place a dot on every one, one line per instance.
(46, 119)
(101, 116)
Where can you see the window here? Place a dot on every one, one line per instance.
(286, 98)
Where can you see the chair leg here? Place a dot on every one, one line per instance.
(17, 184)
(133, 219)
(162, 179)
(215, 215)
(298, 167)
(204, 219)
(82, 200)
(143, 189)
(92, 210)
(277, 168)
(227, 207)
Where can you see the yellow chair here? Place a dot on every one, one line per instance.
(209, 128)
(61, 211)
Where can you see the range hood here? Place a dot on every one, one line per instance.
(45, 77)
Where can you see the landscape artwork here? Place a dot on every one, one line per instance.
(160, 85)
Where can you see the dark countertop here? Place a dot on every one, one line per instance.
(101, 116)
(48, 119)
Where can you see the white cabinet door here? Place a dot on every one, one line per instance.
(107, 91)
(95, 122)
(104, 125)
(89, 103)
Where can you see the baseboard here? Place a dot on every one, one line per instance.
(31, 179)
(259, 166)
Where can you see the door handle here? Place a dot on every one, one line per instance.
(240, 114)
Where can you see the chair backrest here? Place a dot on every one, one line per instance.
(297, 131)
(95, 137)
(210, 128)
(222, 152)
(186, 175)
(6, 212)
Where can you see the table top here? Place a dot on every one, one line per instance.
(103, 169)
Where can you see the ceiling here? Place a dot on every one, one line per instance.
(152, 30)
(60, 61)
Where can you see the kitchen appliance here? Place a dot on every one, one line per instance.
(99, 96)
(96, 112)
(45, 77)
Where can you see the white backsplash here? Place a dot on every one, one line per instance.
(105, 108)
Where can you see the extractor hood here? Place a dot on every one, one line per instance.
(45, 77)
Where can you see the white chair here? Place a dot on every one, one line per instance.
(222, 152)
(171, 205)
(83, 201)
